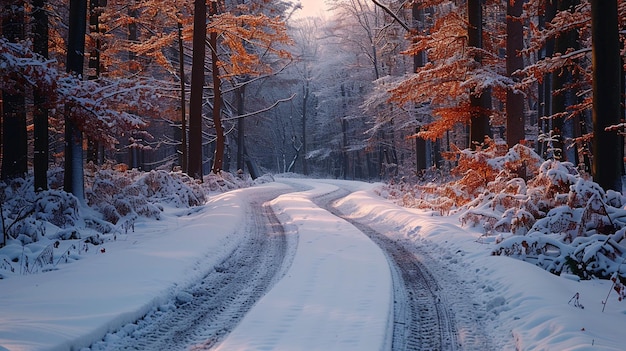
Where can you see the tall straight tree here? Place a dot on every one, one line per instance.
(183, 113)
(218, 159)
(419, 59)
(240, 95)
(73, 178)
(563, 95)
(545, 87)
(480, 101)
(197, 84)
(95, 151)
(134, 153)
(40, 115)
(607, 145)
(515, 131)
(14, 137)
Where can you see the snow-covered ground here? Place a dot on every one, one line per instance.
(335, 296)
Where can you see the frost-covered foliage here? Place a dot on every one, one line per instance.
(126, 196)
(478, 175)
(50, 227)
(225, 181)
(24, 212)
(543, 212)
(583, 236)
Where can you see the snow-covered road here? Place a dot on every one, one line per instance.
(199, 315)
(421, 318)
(335, 294)
(339, 289)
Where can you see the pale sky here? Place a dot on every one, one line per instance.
(310, 8)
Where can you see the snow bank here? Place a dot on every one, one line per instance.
(523, 307)
(79, 303)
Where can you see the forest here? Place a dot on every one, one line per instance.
(402, 83)
(513, 105)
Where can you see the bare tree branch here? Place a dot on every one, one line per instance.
(392, 14)
(276, 103)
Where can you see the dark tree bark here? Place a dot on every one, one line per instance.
(73, 178)
(252, 166)
(480, 102)
(94, 27)
(560, 80)
(197, 84)
(344, 147)
(14, 136)
(305, 102)
(419, 60)
(607, 157)
(135, 154)
(40, 114)
(220, 140)
(183, 113)
(240, 93)
(95, 151)
(545, 88)
(515, 121)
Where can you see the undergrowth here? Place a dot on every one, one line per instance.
(43, 229)
(544, 212)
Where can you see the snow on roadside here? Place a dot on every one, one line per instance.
(337, 295)
(523, 306)
(79, 303)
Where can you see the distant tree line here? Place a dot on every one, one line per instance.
(376, 90)
(428, 74)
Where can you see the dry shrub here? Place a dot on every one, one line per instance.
(224, 181)
(543, 212)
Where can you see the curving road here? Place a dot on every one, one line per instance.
(199, 316)
(421, 319)
(202, 314)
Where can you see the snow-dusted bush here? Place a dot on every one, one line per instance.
(543, 212)
(176, 189)
(24, 212)
(479, 175)
(129, 194)
(584, 237)
(225, 181)
(51, 226)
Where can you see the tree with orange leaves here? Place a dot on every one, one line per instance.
(462, 69)
(245, 38)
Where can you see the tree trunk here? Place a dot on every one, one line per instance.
(560, 80)
(545, 88)
(135, 154)
(95, 152)
(607, 161)
(240, 95)
(515, 122)
(420, 152)
(40, 115)
(419, 60)
(197, 85)
(622, 112)
(480, 102)
(183, 102)
(252, 166)
(218, 160)
(15, 139)
(305, 101)
(73, 181)
(344, 147)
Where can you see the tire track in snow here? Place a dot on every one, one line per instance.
(422, 318)
(202, 314)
